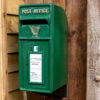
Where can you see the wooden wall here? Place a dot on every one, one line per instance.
(76, 14)
(3, 52)
(93, 50)
(12, 49)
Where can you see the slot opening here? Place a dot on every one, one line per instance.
(40, 21)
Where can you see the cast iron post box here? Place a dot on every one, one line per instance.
(42, 47)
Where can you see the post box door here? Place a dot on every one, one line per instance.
(35, 61)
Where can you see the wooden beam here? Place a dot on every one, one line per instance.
(93, 50)
(3, 52)
(76, 14)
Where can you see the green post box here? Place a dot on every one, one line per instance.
(42, 48)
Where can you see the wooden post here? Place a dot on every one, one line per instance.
(76, 13)
(3, 52)
(93, 50)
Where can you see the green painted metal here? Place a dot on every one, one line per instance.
(43, 26)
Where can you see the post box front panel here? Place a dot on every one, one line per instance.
(34, 65)
(41, 48)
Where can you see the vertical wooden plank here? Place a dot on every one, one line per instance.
(1, 75)
(76, 13)
(1, 69)
(3, 52)
(25, 95)
(93, 50)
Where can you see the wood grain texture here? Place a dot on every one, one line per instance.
(33, 1)
(93, 50)
(12, 6)
(56, 2)
(76, 14)
(12, 24)
(13, 62)
(3, 52)
(12, 43)
(16, 95)
(54, 98)
(35, 96)
(1, 68)
(13, 81)
(64, 99)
